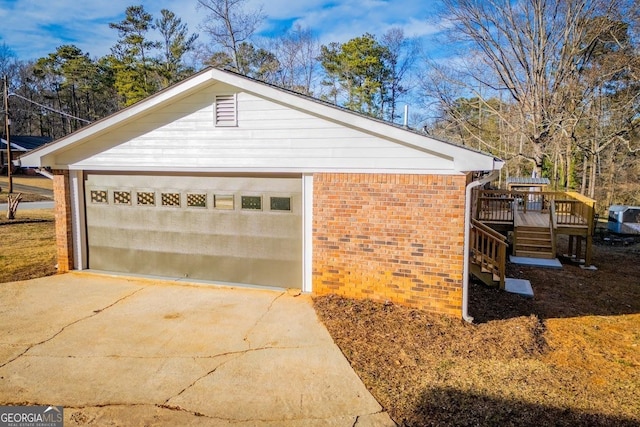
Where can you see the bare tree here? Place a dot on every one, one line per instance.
(230, 25)
(297, 52)
(534, 52)
(8, 61)
(608, 119)
(402, 56)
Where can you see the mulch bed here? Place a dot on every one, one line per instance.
(567, 357)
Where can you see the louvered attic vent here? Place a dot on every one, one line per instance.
(226, 114)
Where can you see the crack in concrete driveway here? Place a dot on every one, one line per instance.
(246, 336)
(95, 313)
(161, 353)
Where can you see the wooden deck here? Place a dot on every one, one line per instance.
(535, 219)
(531, 219)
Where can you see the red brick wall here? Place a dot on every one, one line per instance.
(390, 237)
(62, 210)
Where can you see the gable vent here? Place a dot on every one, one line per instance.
(226, 114)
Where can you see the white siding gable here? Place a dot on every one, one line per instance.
(268, 137)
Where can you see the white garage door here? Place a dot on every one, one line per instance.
(227, 229)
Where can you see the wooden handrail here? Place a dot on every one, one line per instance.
(489, 250)
(584, 199)
(588, 214)
(553, 225)
(574, 213)
(553, 219)
(488, 230)
(497, 209)
(501, 193)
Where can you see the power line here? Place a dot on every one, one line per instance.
(49, 108)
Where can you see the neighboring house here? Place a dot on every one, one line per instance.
(20, 145)
(226, 179)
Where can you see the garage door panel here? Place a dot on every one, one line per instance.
(197, 244)
(150, 228)
(221, 222)
(253, 246)
(265, 272)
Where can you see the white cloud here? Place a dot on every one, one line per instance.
(34, 28)
(419, 28)
(348, 19)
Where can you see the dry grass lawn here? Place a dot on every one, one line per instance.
(26, 197)
(31, 181)
(27, 246)
(568, 357)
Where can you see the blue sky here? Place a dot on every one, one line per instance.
(34, 28)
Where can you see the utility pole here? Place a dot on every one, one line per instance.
(7, 126)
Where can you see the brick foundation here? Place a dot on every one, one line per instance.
(390, 237)
(62, 211)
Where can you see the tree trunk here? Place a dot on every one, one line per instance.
(585, 166)
(555, 171)
(592, 180)
(13, 200)
(567, 179)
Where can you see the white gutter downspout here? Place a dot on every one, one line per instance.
(467, 232)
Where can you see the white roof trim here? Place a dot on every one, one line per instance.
(292, 170)
(14, 146)
(465, 159)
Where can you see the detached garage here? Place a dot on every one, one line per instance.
(225, 179)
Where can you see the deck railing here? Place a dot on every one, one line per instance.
(583, 207)
(489, 250)
(572, 212)
(498, 206)
(495, 206)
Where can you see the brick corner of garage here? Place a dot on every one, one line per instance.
(62, 214)
(390, 238)
(437, 298)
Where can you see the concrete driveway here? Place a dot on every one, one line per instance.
(119, 351)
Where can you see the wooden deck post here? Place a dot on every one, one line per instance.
(502, 255)
(578, 248)
(570, 249)
(587, 257)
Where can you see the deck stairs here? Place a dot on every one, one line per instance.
(488, 254)
(533, 242)
(485, 274)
